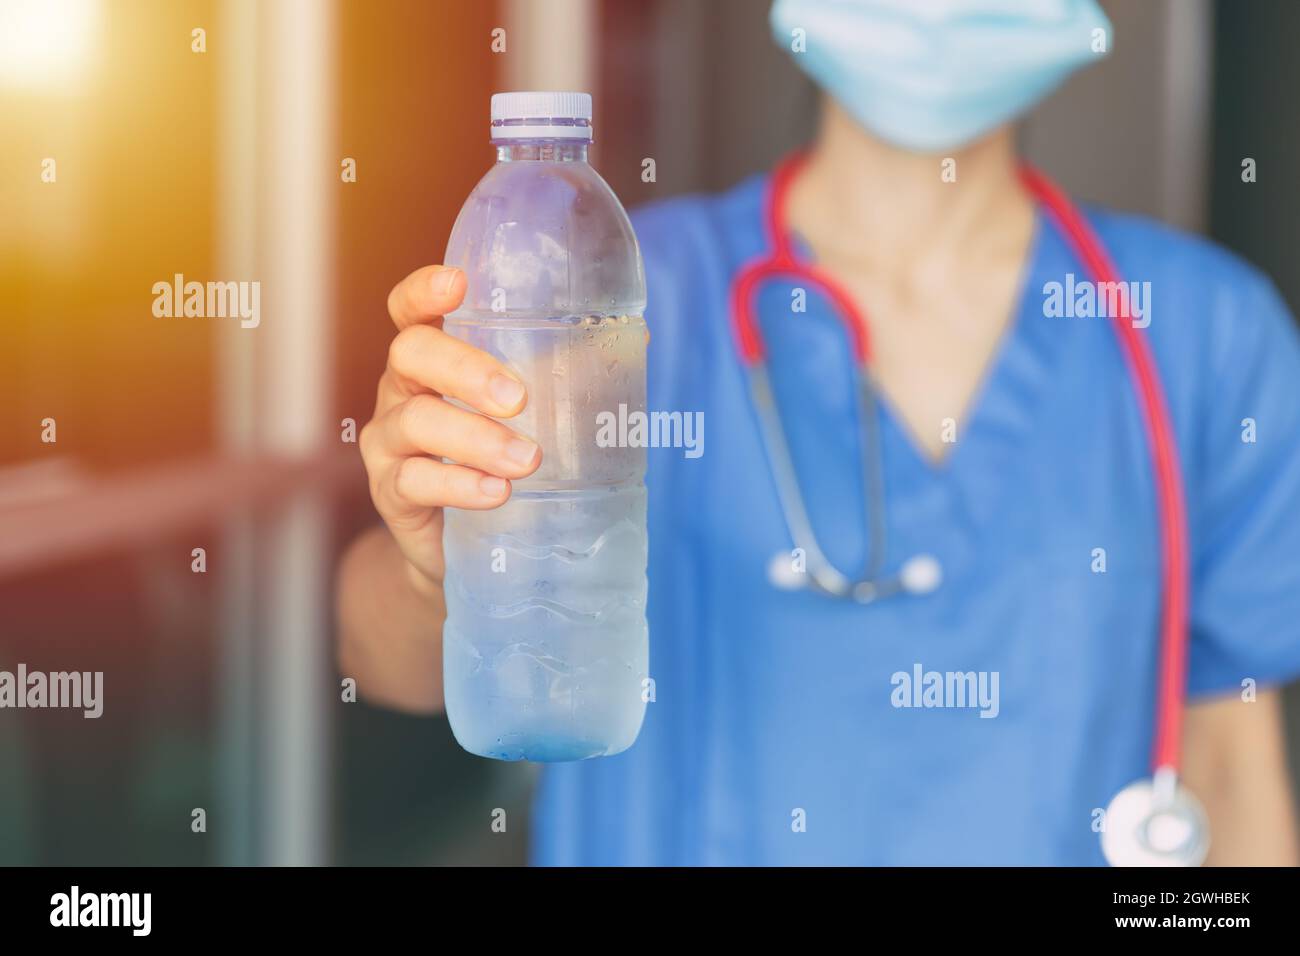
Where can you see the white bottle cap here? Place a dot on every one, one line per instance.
(541, 116)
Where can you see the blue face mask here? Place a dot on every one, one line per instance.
(929, 75)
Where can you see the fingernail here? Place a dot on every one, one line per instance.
(492, 486)
(521, 451)
(506, 391)
(444, 280)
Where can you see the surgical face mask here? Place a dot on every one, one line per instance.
(930, 75)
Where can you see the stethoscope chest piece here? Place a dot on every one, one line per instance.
(1155, 823)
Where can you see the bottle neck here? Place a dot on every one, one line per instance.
(542, 150)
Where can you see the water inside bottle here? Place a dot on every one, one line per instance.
(545, 645)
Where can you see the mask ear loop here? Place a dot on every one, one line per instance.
(1172, 688)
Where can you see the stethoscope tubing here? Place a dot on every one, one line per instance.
(1166, 470)
(780, 262)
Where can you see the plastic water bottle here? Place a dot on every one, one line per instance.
(545, 647)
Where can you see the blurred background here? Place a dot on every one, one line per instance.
(212, 139)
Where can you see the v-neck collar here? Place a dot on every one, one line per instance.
(1004, 406)
(1009, 368)
(1011, 398)
(1014, 368)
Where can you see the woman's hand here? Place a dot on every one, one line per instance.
(414, 425)
(390, 601)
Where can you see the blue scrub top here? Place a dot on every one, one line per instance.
(773, 737)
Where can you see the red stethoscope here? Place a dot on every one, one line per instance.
(1150, 822)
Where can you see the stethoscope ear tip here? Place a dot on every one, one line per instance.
(783, 574)
(920, 574)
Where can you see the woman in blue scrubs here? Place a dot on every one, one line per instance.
(789, 727)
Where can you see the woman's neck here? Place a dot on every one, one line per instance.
(906, 214)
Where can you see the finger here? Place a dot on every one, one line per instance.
(392, 390)
(422, 483)
(423, 552)
(427, 425)
(426, 294)
(430, 358)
